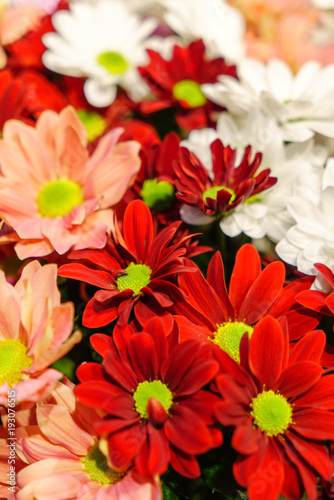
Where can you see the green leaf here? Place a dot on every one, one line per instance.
(169, 494)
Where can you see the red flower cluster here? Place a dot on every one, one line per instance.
(148, 390)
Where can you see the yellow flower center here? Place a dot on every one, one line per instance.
(213, 191)
(138, 276)
(156, 390)
(158, 195)
(113, 62)
(58, 198)
(190, 92)
(272, 412)
(228, 337)
(95, 123)
(13, 359)
(95, 464)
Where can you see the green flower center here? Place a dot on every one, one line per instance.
(156, 390)
(272, 412)
(113, 62)
(228, 337)
(95, 464)
(190, 92)
(58, 198)
(95, 124)
(213, 191)
(13, 359)
(137, 278)
(158, 195)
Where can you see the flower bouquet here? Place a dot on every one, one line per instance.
(166, 249)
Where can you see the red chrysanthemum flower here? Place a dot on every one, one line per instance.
(223, 317)
(177, 83)
(281, 406)
(318, 300)
(149, 391)
(135, 270)
(228, 186)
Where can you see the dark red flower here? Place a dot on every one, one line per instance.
(280, 404)
(136, 270)
(177, 83)
(149, 392)
(230, 185)
(224, 316)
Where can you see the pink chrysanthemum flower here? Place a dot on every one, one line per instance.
(35, 331)
(64, 457)
(53, 194)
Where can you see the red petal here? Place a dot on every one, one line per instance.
(124, 445)
(267, 481)
(143, 357)
(216, 279)
(197, 377)
(315, 454)
(314, 424)
(102, 343)
(80, 272)
(178, 363)
(184, 464)
(121, 372)
(246, 439)
(97, 314)
(154, 455)
(187, 431)
(321, 395)
(90, 371)
(156, 412)
(262, 293)
(246, 269)
(298, 378)
(309, 348)
(138, 229)
(266, 351)
(96, 393)
(313, 299)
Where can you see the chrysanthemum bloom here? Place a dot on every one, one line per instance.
(218, 193)
(136, 270)
(177, 82)
(150, 392)
(281, 406)
(53, 194)
(224, 317)
(35, 331)
(64, 461)
(109, 59)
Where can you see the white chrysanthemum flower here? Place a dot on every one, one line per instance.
(102, 41)
(221, 26)
(268, 215)
(301, 104)
(311, 239)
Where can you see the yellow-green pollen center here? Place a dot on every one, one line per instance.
(156, 390)
(158, 195)
(228, 337)
(272, 413)
(58, 198)
(113, 62)
(213, 191)
(137, 278)
(13, 359)
(94, 123)
(95, 464)
(189, 92)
